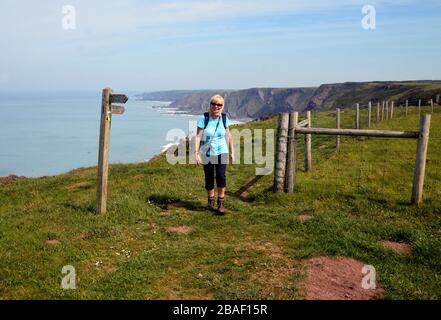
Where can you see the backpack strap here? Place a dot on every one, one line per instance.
(224, 120)
(206, 119)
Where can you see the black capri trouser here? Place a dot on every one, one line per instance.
(218, 164)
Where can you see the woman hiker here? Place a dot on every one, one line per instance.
(212, 150)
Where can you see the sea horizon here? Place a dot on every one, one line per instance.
(50, 133)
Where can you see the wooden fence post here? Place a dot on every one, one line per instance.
(392, 110)
(382, 111)
(437, 98)
(421, 158)
(103, 153)
(337, 139)
(419, 106)
(369, 114)
(431, 104)
(281, 148)
(378, 112)
(308, 148)
(407, 106)
(292, 153)
(357, 117)
(387, 110)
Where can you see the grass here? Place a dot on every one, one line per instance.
(356, 197)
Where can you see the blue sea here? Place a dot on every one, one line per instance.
(51, 133)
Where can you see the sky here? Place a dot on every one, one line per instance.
(214, 44)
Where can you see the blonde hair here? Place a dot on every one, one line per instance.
(217, 99)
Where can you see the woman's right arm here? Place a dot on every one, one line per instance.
(197, 139)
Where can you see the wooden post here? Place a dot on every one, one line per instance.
(378, 112)
(392, 110)
(431, 104)
(407, 106)
(382, 111)
(357, 117)
(419, 106)
(308, 148)
(103, 153)
(421, 158)
(369, 114)
(437, 98)
(107, 109)
(281, 150)
(387, 110)
(292, 155)
(337, 139)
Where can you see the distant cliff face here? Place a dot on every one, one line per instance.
(250, 103)
(260, 102)
(346, 95)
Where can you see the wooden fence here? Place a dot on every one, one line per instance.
(286, 149)
(386, 109)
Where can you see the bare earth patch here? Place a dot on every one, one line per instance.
(180, 230)
(336, 278)
(398, 247)
(52, 242)
(304, 217)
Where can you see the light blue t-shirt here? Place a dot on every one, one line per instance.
(219, 143)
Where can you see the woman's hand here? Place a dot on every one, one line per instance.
(198, 158)
(231, 158)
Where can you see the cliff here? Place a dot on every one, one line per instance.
(260, 102)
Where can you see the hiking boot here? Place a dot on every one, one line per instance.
(210, 204)
(220, 206)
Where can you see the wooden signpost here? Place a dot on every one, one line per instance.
(107, 109)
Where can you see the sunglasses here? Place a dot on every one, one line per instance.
(213, 104)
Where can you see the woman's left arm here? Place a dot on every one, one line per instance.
(230, 144)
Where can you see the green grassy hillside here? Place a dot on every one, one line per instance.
(356, 197)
